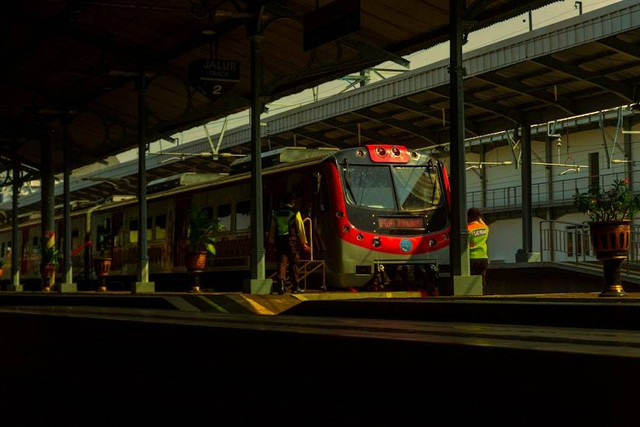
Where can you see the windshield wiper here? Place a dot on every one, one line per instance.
(347, 180)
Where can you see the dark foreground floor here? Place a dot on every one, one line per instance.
(90, 366)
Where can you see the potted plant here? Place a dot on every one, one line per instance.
(610, 212)
(50, 260)
(50, 256)
(202, 238)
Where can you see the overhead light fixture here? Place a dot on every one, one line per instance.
(209, 30)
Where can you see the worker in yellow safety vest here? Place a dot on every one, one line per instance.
(286, 231)
(478, 254)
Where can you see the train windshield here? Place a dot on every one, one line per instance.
(402, 188)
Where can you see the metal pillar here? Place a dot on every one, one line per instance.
(143, 284)
(527, 240)
(463, 283)
(67, 285)
(47, 202)
(483, 175)
(15, 236)
(258, 283)
(627, 123)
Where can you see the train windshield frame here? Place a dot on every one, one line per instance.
(402, 188)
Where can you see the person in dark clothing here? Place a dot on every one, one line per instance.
(286, 231)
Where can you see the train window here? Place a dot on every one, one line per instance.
(243, 215)
(161, 227)
(369, 186)
(103, 236)
(133, 231)
(75, 233)
(418, 188)
(209, 211)
(224, 216)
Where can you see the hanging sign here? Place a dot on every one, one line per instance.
(213, 76)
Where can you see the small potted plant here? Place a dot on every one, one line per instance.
(50, 261)
(610, 212)
(618, 203)
(202, 238)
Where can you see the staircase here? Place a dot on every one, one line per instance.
(306, 267)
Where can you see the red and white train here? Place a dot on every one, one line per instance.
(377, 215)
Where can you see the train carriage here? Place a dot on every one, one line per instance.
(377, 216)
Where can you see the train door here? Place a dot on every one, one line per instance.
(30, 259)
(5, 253)
(117, 250)
(160, 214)
(180, 230)
(101, 229)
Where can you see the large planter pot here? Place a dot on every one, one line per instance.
(102, 267)
(610, 240)
(48, 274)
(196, 263)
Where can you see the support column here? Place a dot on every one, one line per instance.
(67, 285)
(15, 236)
(526, 253)
(627, 123)
(143, 284)
(463, 283)
(549, 147)
(258, 283)
(483, 176)
(48, 233)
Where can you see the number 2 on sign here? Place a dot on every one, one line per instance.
(217, 90)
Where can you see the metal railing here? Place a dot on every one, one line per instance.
(542, 194)
(564, 241)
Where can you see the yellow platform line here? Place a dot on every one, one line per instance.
(258, 308)
(216, 306)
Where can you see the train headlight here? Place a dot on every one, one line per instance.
(380, 151)
(432, 242)
(376, 242)
(360, 153)
(340, 214)
(359, 236)
(346, 228)
(395, 152)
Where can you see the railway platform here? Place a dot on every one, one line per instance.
(320, 358)
(322, 362)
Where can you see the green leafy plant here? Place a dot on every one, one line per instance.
(616, 203)
(202, 231)
(50, 255)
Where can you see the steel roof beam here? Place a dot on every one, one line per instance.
(524, 89)
(620, 89)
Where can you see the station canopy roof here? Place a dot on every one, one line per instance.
(71, 68)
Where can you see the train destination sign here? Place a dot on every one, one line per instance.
(212, 76)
